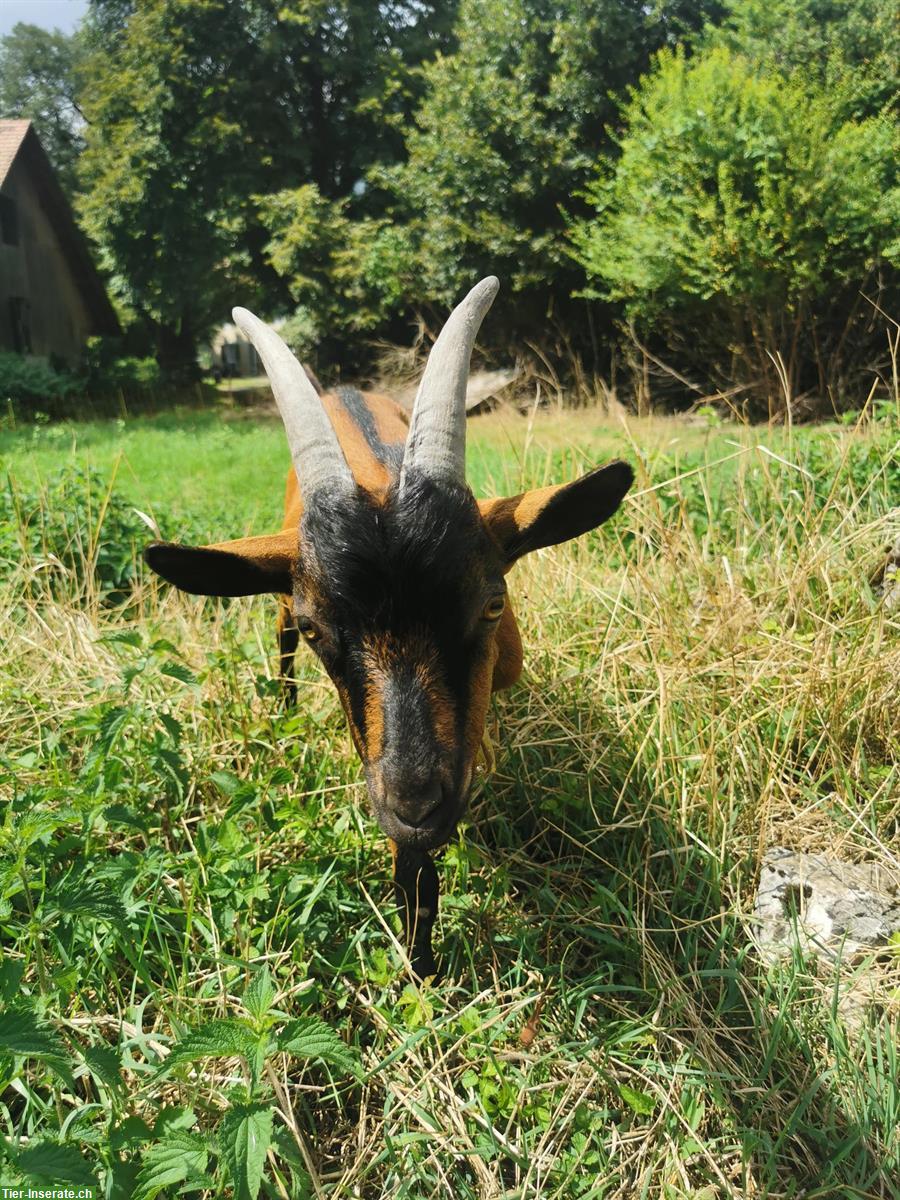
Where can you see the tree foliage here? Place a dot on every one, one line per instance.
(509, 128)
(197, 106)
(40, 78)
(505, 134)
(348, 165)
(849, 47)
(741, 218)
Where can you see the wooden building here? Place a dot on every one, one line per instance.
(232, 353)
(51, 296)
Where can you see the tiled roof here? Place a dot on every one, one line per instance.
(19, 142)
(12, 135)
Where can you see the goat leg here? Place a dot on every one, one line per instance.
(416, 889)
(288, 639)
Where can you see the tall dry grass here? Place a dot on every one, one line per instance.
(708, 676)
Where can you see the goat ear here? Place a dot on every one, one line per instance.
(550, 515)
(246, 567)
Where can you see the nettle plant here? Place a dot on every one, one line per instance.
(252, 1120)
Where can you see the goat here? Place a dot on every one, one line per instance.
(395, 575)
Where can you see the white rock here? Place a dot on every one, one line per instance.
(827, 907)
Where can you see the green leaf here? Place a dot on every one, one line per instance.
(175, 1160)
(105, 1065)
(175, 1117)
(178, 671)
(124, 814)
(121, 1180)
(309, 1037)
(132, 1131)
(22, 1033)
(34, 826)
(112, 721)
(245, 1135)
(288, 1151)
(260, 994)
(638, 1102)
(48, 1162)
(84, 898)
(225, 781)
(217, 1039)
(11, 972)
(415, 1006)
(126, 637)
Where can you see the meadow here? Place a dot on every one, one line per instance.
(203, 988)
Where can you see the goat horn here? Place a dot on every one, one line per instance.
(315, 449)
(436, 442)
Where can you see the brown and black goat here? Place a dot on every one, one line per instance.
(395, 575)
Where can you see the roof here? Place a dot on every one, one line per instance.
(12, 134)
(19, 143)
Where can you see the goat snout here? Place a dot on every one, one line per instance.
(415, 803)
(415, 809)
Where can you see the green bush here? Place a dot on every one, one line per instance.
(103, 370)
(33, 389)
(742, 220)
(850, 47)
(32, 383)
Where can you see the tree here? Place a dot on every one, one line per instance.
(504, 138)
(850, 47)
(741, 218)
(199, 107)
(40, 77)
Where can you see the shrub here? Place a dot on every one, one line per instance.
(850, 47)
(103, 370)
(32, 383)
(742, 219)
(35, 389)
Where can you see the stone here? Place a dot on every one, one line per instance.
(827, 907)
(886, 581)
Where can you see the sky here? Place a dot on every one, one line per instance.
(49, 14)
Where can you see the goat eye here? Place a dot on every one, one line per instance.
(494, 608)
(309, 631)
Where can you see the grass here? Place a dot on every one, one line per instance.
(708, 675)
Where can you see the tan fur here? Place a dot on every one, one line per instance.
(508, 643)
(505, 516)
(366, 468)
(275, 550)
(479, 697)
(374, 704)
(442, 715)
(391, 421)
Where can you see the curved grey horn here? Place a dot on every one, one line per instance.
(436, 442)
(315, 449)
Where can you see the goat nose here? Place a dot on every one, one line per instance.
(414, 804)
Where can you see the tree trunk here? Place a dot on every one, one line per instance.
(176, 352)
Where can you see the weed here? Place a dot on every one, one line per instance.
(202, 988)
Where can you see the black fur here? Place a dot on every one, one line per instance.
(574, 509)
(413, 575)
(384, 566)
(203, 571)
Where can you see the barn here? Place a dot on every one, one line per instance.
(51, 295)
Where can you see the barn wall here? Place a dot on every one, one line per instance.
(37, 271)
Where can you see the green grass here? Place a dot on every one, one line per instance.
(707, 675)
